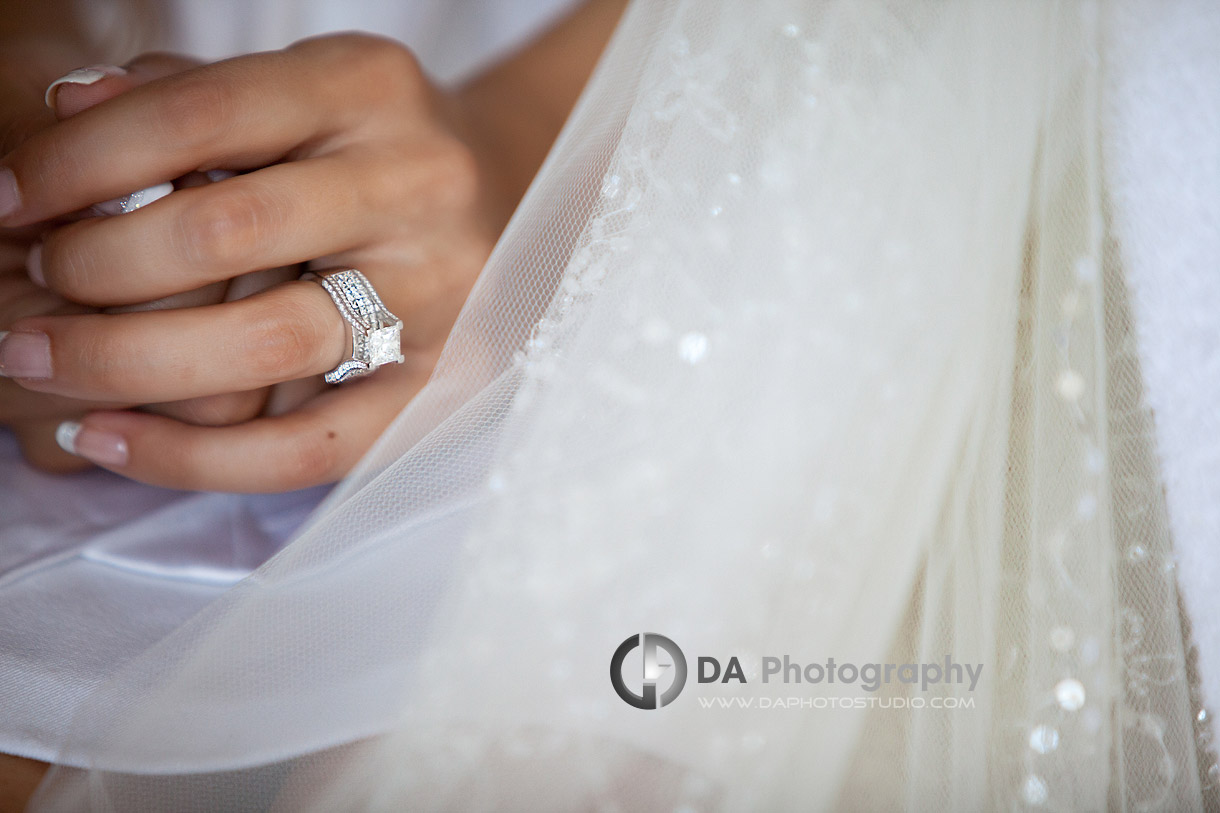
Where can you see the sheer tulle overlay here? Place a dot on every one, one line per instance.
(808, 340)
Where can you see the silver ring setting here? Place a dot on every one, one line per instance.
(376, 333)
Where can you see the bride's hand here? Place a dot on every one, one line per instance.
(25, 69)
(33, 416)
(365, 165)
(29, 107)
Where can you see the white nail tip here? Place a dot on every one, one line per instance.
(146, 196)
(81, 76)
(136, 200)
(33, 265)
(65, 436)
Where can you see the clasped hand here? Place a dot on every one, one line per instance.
(345, 155)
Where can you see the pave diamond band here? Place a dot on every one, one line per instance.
(376, 333)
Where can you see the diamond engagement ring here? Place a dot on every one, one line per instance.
(376, 333)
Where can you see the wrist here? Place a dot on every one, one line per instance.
(509, 141)
(512, 113)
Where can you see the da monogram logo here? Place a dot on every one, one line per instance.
(647, 698)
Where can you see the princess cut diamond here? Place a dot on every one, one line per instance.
(384, 345)
(376, 333)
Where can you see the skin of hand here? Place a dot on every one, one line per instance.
(357, 161)
(214, 410)
(33, 417)
(30, 57)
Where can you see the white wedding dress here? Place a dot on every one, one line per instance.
(830, 329)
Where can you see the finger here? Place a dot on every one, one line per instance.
(37, 444)
(86, 87)
(281, 215)
(316, 444)
(19, 297)
(290, 331)
(284, 398)
(207, 295)
(20, 405)
(425, 293)
(256, 281)
(240, 113)
(213, 410)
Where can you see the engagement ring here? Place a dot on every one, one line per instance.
(376, 333)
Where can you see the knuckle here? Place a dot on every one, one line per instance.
(378, 65)
(98, 363)
(282, 342)
(70, 265)
(393, 64)
(382, 62)
(389, 179)
(455, 174)
(441, 174)
(89, 355)
(222, 230)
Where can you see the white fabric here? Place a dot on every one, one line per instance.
(1163, 155)
(452, 38)
(811, 338)
(94, 568)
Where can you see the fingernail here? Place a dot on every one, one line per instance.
(103, 448)
(10, 198)
(25, 355)
(33, 265)
(81, 76)
(136, 200)
(218, 175)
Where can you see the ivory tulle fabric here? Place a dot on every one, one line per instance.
(811, 339)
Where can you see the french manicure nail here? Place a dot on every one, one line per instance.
(10, 198)
(25, 355)
(103, 448)
(33, 265)
(81, 76)
(136, 200)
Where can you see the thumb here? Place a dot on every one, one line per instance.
(85, 87)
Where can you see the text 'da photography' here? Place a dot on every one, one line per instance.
(650, 671)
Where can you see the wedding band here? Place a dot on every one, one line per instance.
(376, 333)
